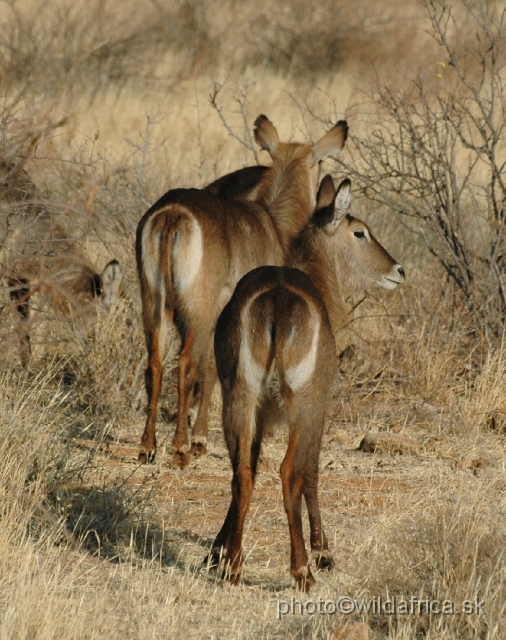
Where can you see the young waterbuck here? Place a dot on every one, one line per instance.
(192, 248)
(37, 255)
(276, 359)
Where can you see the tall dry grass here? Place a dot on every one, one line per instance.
(107, 106)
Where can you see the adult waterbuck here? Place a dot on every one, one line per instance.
(38, 255)
(192, 248)
(276, 358)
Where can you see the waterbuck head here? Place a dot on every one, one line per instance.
(37, 255)
(340, 253)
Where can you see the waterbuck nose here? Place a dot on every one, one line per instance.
(400, 271)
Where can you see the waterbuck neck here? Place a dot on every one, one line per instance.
(310, 255)
(287, 190)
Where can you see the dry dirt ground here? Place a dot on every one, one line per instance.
(381, 513)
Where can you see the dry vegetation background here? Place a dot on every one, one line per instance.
(107, 106)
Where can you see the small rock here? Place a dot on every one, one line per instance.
(389, 442)
(442, 446)
(502, 408)
(266, 463)
(495, 419)
(428, 410)
(347, 354)
(341, 436)
(475, 463)
(351, 631)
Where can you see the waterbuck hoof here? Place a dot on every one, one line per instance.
(323, 560)
(213, 559)
(198, 449)
(181, 459)
(233, 576)
(304, 579)
(146, 457)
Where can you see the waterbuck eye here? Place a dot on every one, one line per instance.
(359, 234)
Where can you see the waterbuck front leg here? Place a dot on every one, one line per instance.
(220, 544)
(20, 293)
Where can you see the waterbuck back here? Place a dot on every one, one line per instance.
(193, 246)
(276, 358)
(38, 255)
(242, 183)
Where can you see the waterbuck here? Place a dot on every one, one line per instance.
(276, 359)
(37, 255)
(193, 246)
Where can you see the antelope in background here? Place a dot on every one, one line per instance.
(37, 254)
(193, 246)
(276, 360)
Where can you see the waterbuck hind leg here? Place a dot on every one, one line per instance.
(220, 544)
(19, 294)
(319, 544)
(242, 487)
(222, 540)
(153, 375)
(239, 430)
(207, 382)
(292, 479)
(154, 317)
(187, 376)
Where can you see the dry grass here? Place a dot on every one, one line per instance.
(91, 544)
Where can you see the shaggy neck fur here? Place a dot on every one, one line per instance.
(286, 190)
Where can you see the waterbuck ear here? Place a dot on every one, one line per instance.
(266, 135)
(332, 142)
(329, 216)
(324, 212)
(326, 192)
(343, 200)
(111, 279)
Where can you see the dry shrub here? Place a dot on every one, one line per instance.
(291, 38)
(77, 43)
(108, 372)
(49, 481)
(483, 408)
(446, 545)
(433, 361)
(309, 41)
(32, 441)
(435, 155)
